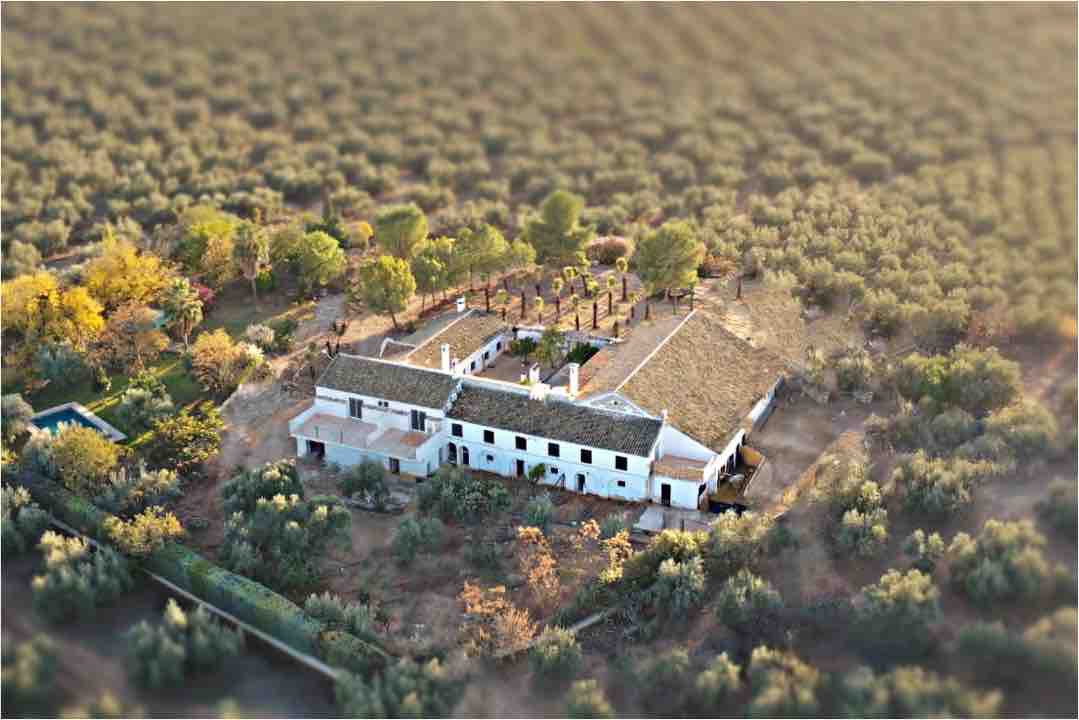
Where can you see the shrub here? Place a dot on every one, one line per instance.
(607, 250)
(666, 676)
(978, 381)
(924, 550)
(893, 616)
(716, 684)
(1060, 509)
(556, 657)
(60, 365)
(242, 492)
(405, 689)
(642, 568)
(538, 565)
(368, 480)
(523, 347)
(587, 700)
(160, 656)
(22, 521)
(220, 364)
(737, 541)
(29, 675)
(612, 525)
(1004, 563)
(139, 409)
(854, 371)
(482, 552)
(130, 491)
(749, 604)
(939, 486)
(679, 586)
(539, 510)
(15, 414)
(416, 535)
(145, 533)
(261, 336)
(352, 618)
(83, 458)
(281, 540)
(75, 580)
(910, 692)
(863, 533)
(782, 685)
(452, 494)
(186, 440)
(1027, 429)
(493, 625)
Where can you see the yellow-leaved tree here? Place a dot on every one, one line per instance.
(122, 274)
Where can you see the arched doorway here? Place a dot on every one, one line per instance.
(451, 454)
(464, 455)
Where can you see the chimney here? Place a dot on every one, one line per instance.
(664, 414)
(533, 373)
(574, 379)
(461, 304)
(445, 357)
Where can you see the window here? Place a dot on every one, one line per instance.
(472, 367)
(355, 407)
(522, 443)
(490, 458)
(586, 457)
(498, 346)
(700, 490)
(552, 449)
(620, 462)
(554, 470)
(383, 404)
(456, 430)
(419, 420)
(486, 356)
(489, 437)
(621, 483)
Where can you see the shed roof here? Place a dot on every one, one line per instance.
(464, 336)
(555, 420)
(387, 380)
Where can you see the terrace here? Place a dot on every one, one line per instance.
(350, 432)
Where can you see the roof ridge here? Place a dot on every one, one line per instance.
(386, 361)
(655, 350)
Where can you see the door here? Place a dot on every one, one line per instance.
(580, 482)
(395, 466)
(316, 448)
(451, 454)
(464, 455)
(419, 421)
(520, 468)
(665, 494)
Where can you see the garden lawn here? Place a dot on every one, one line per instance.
(182, 385)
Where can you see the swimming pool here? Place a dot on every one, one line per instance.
(74, 414)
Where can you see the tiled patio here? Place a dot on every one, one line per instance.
(362, 435)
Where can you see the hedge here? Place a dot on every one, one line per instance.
(248, 600)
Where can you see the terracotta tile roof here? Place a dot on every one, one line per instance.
(555, 420)
(706, 378)
(608, 368)
(680, 467)
(470, 333)
(388, 381)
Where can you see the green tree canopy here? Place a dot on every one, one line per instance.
(667, 258)
(320, 260)
(386, 285)
(556, 233)
(400, 229)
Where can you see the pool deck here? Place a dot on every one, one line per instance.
(108, 430)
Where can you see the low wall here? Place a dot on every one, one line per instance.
(248, 600)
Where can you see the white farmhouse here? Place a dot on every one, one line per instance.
(661, 422)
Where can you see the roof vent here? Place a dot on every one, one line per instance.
(539, 391)
(461, 304)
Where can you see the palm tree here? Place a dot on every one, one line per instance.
(252, 253)
(575, 300)
(183, 309)
(622, 266)
(537, 302)
(611, 282)
(502, 298)
(556, 288)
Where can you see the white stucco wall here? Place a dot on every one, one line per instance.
(491, 348)
(500, 457)
(396, 415)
